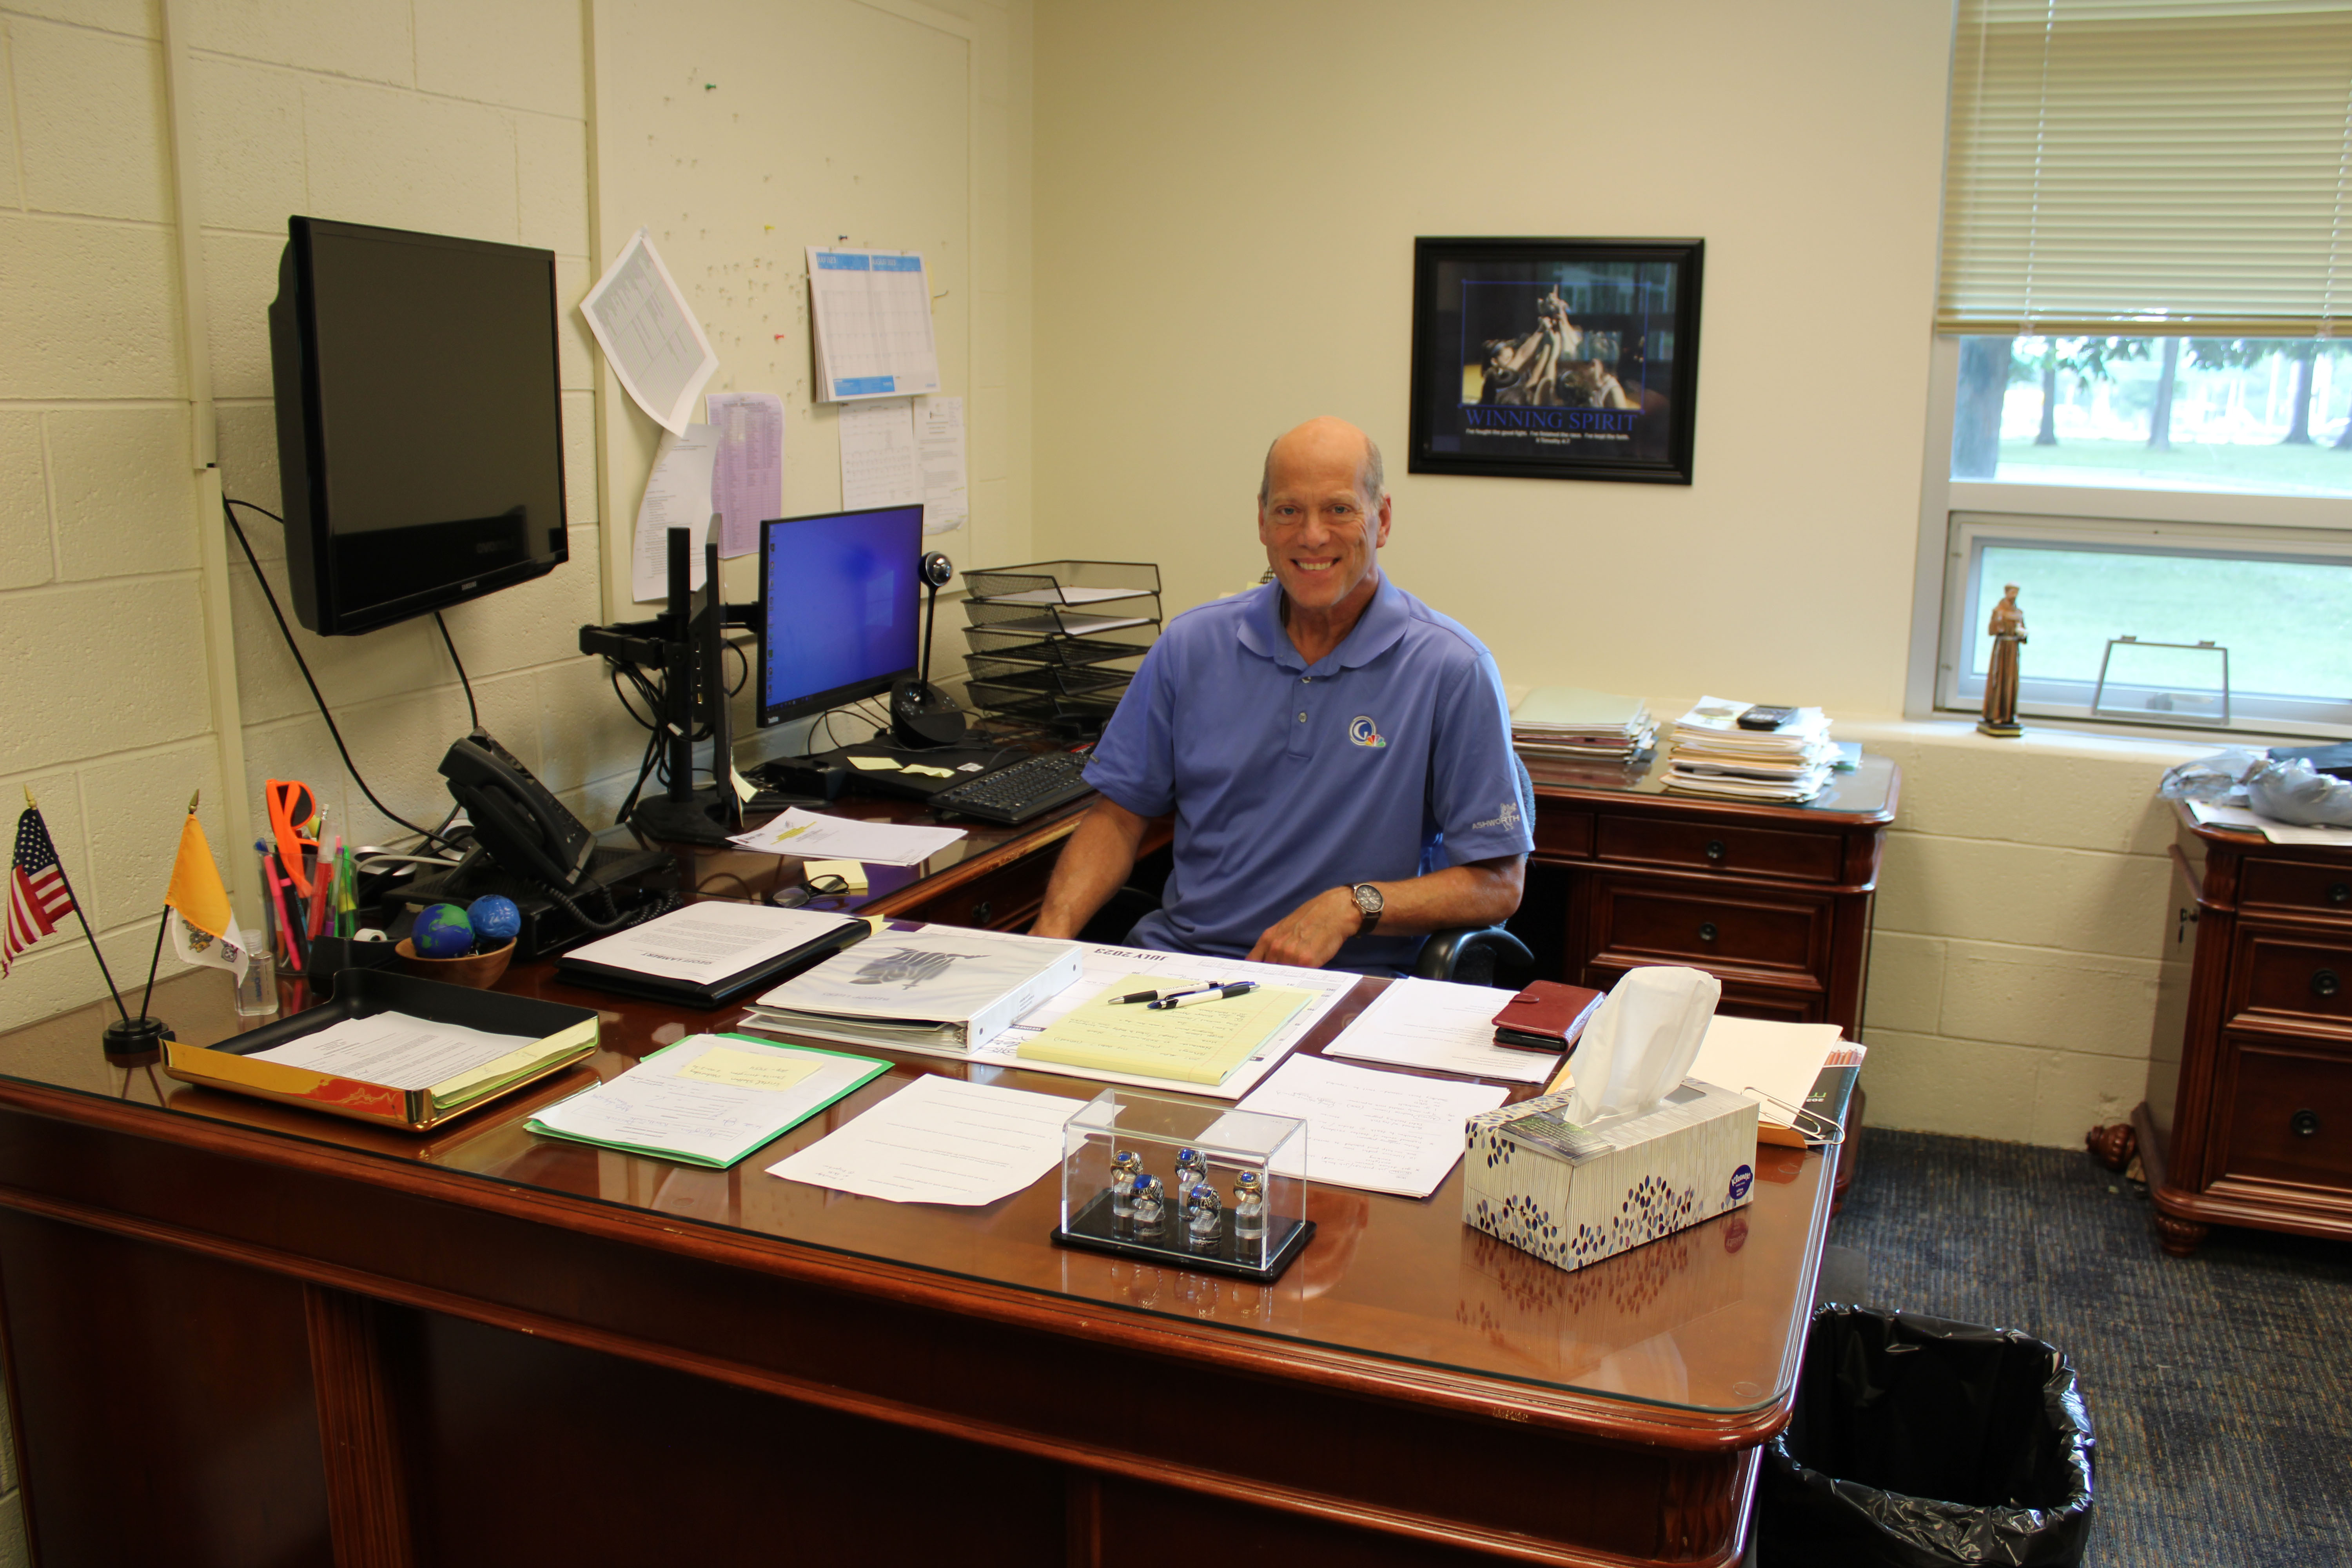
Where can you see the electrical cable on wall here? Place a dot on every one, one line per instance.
(229, 506)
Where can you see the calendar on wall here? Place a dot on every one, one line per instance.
(872, 311)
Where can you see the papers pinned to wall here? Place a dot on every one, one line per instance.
(747, 479)
(872, 314)
(678, 495)
(649, 335)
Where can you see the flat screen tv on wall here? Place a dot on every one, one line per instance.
(420, 438)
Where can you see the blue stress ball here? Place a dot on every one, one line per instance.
(495, 919)
(443, 931)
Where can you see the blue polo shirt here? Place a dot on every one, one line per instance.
(1387, 759)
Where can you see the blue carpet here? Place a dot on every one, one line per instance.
(2219, 1385)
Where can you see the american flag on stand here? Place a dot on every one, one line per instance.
(37, 895)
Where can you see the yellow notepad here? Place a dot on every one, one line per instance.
(1200, 1043)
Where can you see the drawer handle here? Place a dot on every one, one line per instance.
(1715, 849)
(980, 912)
(2339, 893)
(2326, 983)
(1706, 931)
(2306, 1124)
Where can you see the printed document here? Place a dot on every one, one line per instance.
(708, 1100)
(940, 1141)
(871, 312)
(939, 448)
(396, 1050)
(1438, 1024)
(879, 465)
(709, 940)
(1383, 1132)
(747, 481)
(2245, 819)
(649, 335)
(799, 832)
(678, 495)
(1771, 1063)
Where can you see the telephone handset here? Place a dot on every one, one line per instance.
(522, 827)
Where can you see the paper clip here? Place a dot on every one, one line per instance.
(1815, 1126)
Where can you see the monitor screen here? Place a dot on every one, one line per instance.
(420, 420)
(839, 611)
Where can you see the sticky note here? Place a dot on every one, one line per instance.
(850, 871)
(747, 1069)
(744, 790)
(874, 764)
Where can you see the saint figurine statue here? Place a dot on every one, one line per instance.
(2008, 633)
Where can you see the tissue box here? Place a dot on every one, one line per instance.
(1573, 1195)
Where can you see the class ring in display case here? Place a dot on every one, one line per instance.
(1179, 1183)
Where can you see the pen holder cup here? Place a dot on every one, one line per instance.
(478, 970)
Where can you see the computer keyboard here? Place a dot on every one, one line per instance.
(1030, 787)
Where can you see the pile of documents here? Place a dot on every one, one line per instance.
(1570, 721)
(940, 985)
(1711, 754)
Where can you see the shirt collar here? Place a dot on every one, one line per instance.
(1375, 632)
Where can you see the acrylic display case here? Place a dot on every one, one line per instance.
(1133, 1167)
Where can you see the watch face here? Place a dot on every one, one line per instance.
(1369, 900)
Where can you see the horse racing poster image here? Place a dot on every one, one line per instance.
(1555, 358)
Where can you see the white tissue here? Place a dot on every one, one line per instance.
(1642, 1041)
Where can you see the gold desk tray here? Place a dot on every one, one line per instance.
(561, 1037)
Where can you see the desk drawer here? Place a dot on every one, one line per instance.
(2299, 885)
(1561, 834)
(1712, 847)
(1635, 921)
(1006, 898)
(2286, 1114)
(1741, 999)
(2291, 976)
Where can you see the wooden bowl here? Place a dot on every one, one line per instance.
(478, 970)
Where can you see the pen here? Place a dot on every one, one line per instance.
(1185, 999)
(1162, 995)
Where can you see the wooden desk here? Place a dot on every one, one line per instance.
(245, 1335)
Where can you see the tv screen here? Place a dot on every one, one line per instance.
(839, 612)
(420, 439)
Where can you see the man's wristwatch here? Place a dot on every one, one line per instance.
(1368, 903)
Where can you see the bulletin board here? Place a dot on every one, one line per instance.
(739, 132)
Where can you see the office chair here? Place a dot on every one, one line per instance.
(1470, 955)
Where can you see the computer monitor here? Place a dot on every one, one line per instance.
(839, 613)
(420, 434)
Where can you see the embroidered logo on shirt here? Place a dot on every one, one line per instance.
(1362, 732)
(1509, 817)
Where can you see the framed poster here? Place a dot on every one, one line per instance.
(1555, 359)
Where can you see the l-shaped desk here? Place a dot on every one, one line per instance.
(243, 1333)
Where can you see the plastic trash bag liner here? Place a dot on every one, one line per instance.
(1920, 1442)
(2218, 780)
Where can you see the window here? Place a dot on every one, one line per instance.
(2147, 252)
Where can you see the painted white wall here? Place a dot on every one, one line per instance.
(1227, 197)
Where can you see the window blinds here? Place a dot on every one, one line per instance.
(2149, 167)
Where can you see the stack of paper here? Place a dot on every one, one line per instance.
(1711, 754)
(708, 1100)
(940, 985)
(1570, 721)
(1203, 1043)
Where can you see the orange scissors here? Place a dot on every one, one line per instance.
(293, 812)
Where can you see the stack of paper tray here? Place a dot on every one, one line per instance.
(1056, 642)
(560, 1036)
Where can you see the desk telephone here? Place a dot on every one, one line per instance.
(516, 820)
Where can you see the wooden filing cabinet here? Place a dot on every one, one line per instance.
(2248, 1119)
(1774, 900)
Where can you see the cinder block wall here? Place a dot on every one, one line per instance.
(439, 115)
(2022, 913)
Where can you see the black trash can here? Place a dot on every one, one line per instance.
(1920, 1443)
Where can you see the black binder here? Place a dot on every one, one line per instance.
(716, 993)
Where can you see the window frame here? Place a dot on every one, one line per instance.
(1952, 513)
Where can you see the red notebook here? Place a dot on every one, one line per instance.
(1546, 1017)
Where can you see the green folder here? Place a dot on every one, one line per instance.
(764, 1133)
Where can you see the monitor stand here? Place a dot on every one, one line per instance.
(694, 684)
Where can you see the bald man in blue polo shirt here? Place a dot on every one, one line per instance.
(1338, 754)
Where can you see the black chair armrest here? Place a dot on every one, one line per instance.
(1476, 955)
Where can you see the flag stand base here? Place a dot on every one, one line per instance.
(136, 1042)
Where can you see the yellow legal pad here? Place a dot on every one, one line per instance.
(1200, 1043)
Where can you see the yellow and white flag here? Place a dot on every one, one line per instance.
(204, 928)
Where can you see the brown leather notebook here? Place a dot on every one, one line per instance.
(1546, 1017)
